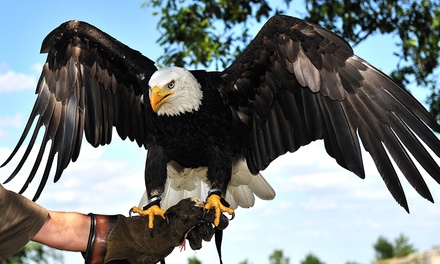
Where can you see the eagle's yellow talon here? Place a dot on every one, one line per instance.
(214, 201)
(151, 212)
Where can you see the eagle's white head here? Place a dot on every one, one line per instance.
(174, 91)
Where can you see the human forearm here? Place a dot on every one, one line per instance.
(65, 230)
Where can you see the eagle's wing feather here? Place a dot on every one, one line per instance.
(297, 82)
(89, 84)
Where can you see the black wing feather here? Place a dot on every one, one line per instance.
(90, 83)
(310, 86)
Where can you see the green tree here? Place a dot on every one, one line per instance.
(402, 247)
(384, 249)
(214, 31)
(194, 260)
(277, 257)
(202, 32)
(34, 253)
(311, 259)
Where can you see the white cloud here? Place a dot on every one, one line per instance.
(93, 183)
(36, 68)
(318, 204)
(314, 181)
(14, 81)
(10, 121)
(15, 121)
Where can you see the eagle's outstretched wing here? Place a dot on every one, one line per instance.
(297, 82)
(90, 83)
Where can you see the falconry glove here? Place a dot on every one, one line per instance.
(120, 239)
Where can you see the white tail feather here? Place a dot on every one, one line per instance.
(183, 182)
(242, 196)
(261, 188)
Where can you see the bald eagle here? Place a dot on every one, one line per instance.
(296, 82)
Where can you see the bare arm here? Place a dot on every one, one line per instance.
(65, 230)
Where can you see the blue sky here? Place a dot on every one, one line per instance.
(319, 208)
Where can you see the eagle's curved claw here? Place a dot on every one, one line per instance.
(232, 216)
(214, 201)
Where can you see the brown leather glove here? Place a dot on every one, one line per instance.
(119, 239)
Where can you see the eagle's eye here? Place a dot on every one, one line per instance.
(170, 85)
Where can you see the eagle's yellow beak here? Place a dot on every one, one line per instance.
(158, 97)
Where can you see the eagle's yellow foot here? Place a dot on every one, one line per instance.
(214, 201)
(151, 212)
